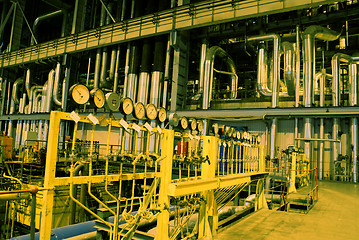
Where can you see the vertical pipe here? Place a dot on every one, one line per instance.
(201, 66)
(166, 73)
(336, 101)
(97, 68)
(33, 216)
(308, 89)
(74, 19)
(116, 76)
(144, 79)
(297, 84)
(353, 96)
(158, 69)
(321, 127)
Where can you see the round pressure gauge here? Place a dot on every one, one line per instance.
(80, 93)
(173, 119)
(200, 125)
(140, 111)
(230, 132)
(184, 123)
(193, 123)
(238, 135)
(215, 128)
(98, 97)
(113, 101)
(126, 106)
(162, 114)
(151, 111)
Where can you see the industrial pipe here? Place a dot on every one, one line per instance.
(275, 82)
(41, 18)
(289, 67)
(14, 101)
(157, 71)
(213, 52)
(309, 35)
(353, 101)
(336, 59)
(72, 205)
(55, 96)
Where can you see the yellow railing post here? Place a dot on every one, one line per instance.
(166, 174)
(293, 174)
(50, 169)
(208, 216)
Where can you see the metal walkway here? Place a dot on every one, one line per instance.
(334, 216)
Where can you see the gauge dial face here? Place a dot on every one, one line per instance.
(98, 97)
(200, 125)
(140, 111)
(238, 135)
(173, 119)
(193, 124)
(80, 93)
(113, 101)
(151, 111)
(162, 114)
(184, 123)
(126, 106)
(230, 132)
(215, 128)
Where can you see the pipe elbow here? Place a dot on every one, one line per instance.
(15, 89)
(321, 33)
(272, 36)
(342, 57)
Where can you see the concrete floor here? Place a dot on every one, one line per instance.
(334, 216)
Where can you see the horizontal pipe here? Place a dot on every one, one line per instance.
(318, 139)
(261, 113)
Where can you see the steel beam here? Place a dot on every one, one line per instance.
(185, 17)
(191, 187)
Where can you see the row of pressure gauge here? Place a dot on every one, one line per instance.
(81, 95)
(191, 124)
(231, 132)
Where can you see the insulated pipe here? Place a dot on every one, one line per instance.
(97, 68)
(201, 66)
(56, 85)
(353, 100)
(262, 72)
(41, 18)
(116, 75)
(321, 128)
(144, 79)
(65, 89)
(289, 67)
(297, 83)
(213, 52)
(133, 73)
(158, 71)
(49, 92)
(309, 35)
(27, 82)
(336, 59)
(166, 72)
(275, 82)
(14, 101)
(72, 204)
